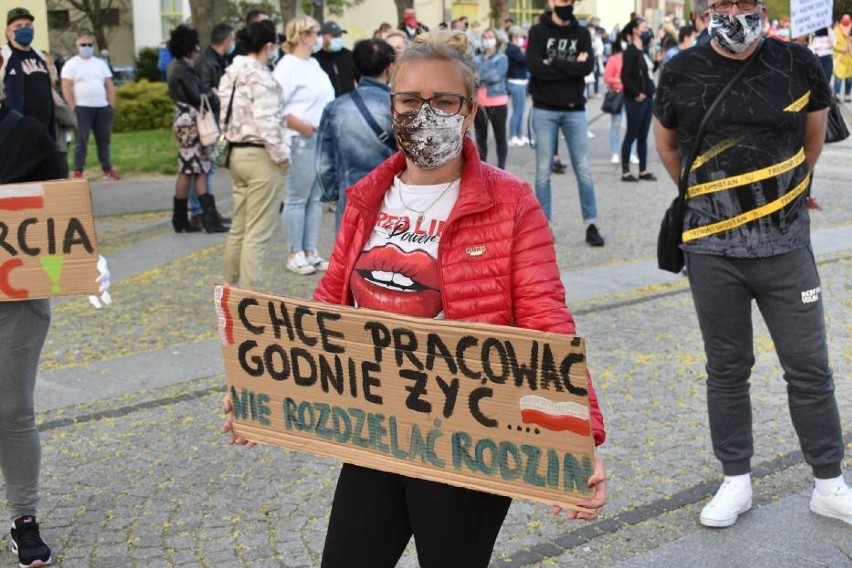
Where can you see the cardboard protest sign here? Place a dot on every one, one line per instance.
(498, 409)
(48, 244)
(808, 16)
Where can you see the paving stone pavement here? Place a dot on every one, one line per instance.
(136, 474)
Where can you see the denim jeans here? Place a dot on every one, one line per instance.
(839, 82)
(194, 204)
(546, 125)
(518, 95)
(639, 116)
(302, 213)
(99, 121)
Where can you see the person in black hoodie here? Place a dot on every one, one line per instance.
(638, 99)
(560, 56)
(336, 60)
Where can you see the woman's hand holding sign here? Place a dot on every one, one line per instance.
(228, 426)
(596, 503)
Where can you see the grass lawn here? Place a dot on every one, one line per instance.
(133, 153)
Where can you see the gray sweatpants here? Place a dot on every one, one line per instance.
(23, 327)
(787, 291)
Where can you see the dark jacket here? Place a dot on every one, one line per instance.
(184, 86)
(209, 67)
(27, 85)
(517, 63)
(29, 153)
(557, 79)
(635, 75)
(340, 68)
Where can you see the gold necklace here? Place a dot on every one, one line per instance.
(420, 214)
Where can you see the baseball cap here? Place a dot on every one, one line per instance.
(17, 14)
(332, 28)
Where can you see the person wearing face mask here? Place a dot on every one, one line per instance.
(210, 66)
(492, 96)
(260, 153)
(517, 79)
(193, 162)
(410, 26)
(559, 55)
(746, 239)
(437, 185)
(843, 59)
(307, 90)
(638, 89)
(24, 72)
(89, 92)
(348, 146)
(336, 60)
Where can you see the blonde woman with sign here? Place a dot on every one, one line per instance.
(434, 232)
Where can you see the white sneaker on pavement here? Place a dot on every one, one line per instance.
(731, 500)
(634, 159)
(299, 264)
(616, 159)
(523, 141)
(317, 261)
(837, 504)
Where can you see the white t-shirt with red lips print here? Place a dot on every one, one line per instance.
(398, 270)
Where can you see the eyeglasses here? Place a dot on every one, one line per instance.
(724, 7)
(85, 44)
(443, 104)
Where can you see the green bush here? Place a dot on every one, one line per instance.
(142, 106)
(146, 64)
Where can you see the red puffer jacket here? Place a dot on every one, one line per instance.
(496, 255)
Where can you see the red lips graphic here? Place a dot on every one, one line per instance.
(388, 279)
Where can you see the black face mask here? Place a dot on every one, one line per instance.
(564, 13)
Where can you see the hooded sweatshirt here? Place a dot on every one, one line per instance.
(557, 79)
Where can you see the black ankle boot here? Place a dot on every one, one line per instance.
(180, 221)
(210, 217)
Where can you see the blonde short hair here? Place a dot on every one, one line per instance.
(443, 45)
(295, 28)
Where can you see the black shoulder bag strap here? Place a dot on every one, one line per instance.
(699, 136)
(8, 124)
(385, 137)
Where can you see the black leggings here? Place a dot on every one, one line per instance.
(375, 514)
(639, 116)
(497, 115)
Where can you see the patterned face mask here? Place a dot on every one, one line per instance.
(735, 33)
(428, 139)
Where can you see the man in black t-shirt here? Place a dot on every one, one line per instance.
(24, 71)
(746, 237)
(336, 60)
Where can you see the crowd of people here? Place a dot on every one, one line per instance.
(386, 130)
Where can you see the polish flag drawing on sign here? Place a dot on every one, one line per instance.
(19, 197)
(556, 416)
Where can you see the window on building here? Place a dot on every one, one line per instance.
(111, 17)
(58, 19)
(171, 14)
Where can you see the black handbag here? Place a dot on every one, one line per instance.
(835, 130)
(669, 254)
(613, 102)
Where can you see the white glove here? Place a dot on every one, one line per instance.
(103, 282)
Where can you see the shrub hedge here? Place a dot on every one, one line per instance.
(142, 106)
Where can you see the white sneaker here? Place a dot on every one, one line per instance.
(634, 159)
(317, 261)
(514, 142)
(300, 265)
(837, 505)
(615, 159)
(591, 134)
(731, 500)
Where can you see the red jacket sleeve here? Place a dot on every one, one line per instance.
(332, 288)
(538, 295)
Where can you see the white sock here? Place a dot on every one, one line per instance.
(743, 480)
(828, 486)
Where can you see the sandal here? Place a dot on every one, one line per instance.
(648, 176)
(629, 177)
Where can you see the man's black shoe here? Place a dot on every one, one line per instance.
(558, 167)
(593, 237)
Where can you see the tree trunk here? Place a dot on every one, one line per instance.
(401, 6)
(205, 15)
(288, 9)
